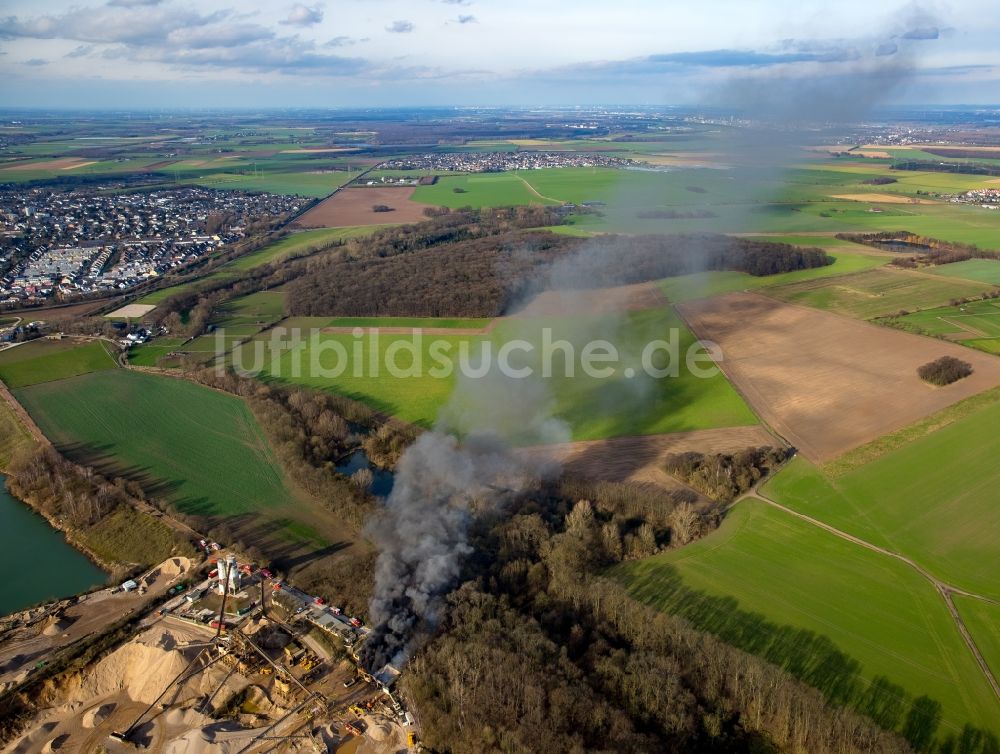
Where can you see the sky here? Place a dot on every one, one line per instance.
(383, 53)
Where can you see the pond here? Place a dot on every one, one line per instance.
(37, 562)
(382, 483)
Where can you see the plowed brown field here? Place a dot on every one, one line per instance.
(353, 206)
(825, 382)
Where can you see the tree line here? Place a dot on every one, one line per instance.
(725, 476)
(934, 251)
(83, 501)
(539, 650)
(475, 274)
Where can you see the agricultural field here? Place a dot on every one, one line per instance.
(982, 270)
(983, 621)
(200, 449)
(300, 242)
(149, 354)
(931, 498)
(313, 184)
(297, 243)
(862, 627)
(47, 360)
(481, 190)
(355, 207)
(234, 321)
(14, 436)
(791, 364)
(878, 293)
(594, 408)
(975, 324)
(704, 284)
(405, 323)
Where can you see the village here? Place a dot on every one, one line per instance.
(498, 162)
(86, 241)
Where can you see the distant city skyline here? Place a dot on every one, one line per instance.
(383, 53)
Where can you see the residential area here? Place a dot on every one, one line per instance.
(497, 162)
(67, 243)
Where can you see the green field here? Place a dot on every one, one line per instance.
(975, 324)
(932, 499)
(704, 284)
(300, 242)
(879, 292)
(199, 448)
(14, 436)
(301, 183)
(593, 407)
(479, 190)
(983, 270)
(45, 360)
(862, 627)
(408, 322)
(148, 354)
(983, 621)
(129, 536)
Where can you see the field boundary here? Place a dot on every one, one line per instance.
(535, 191)
(871, 451)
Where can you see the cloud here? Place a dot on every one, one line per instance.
(218, 35)
(133, 3)
(886, 48)
(289, 55)
(81, 51)
(400, 27)
(748, 58)
(344, 41)
(303, 15)
(129, 25)
(467, 20)
(457, 2)
(922, 32)
(36, 62)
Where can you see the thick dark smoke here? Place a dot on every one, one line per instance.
(462, 469)
(466, 466)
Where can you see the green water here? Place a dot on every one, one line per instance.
(36, 561)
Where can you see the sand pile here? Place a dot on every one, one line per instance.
(217, 738)
(97, 715)
(56, 625)
(185, 719)
(258, 700)
(168, 569)
(55, 744)
(140, 669)
(377, 729)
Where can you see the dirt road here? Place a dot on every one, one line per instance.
(945, 590)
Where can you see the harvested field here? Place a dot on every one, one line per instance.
(882, 198)
(824, 382)
(623, 298)
(63, 163)
(353, 206)
(640, 459)
(131, 310)
(318, 150)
